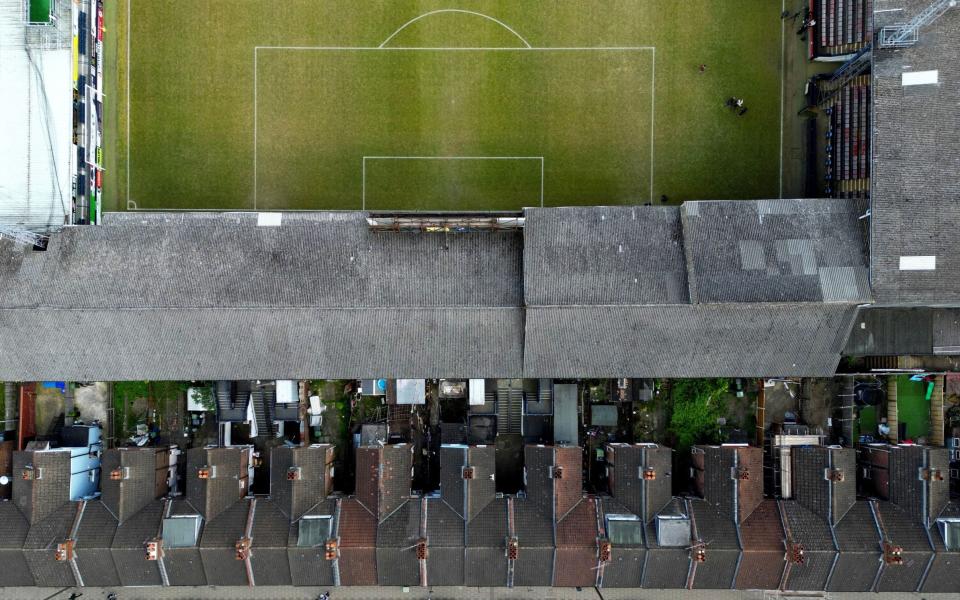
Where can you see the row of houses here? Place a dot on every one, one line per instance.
(904, 537)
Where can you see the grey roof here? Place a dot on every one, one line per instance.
(776, 251)
(916, 163)
(707, 340)
(603, 255)
(891, 331)
(860, 552)
(829, 499)
(485, 562)
(321, 294)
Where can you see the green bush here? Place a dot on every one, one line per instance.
(696, 405)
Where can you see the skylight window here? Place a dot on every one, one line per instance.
(624, 529)
(314, 531)
(181, 531)
(950, 532)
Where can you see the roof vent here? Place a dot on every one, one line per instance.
(422, 551)
(467, 472)
(154, 549)
(294, 474)
(243, 548)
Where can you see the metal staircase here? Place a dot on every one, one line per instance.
(509, 406)
(906, 35)
(22, 236)
(260, 414)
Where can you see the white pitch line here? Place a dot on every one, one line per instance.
(653, 87)
(453, 157)
(465, 49)
(129, 32)
(783, 6)
(541, 182)
(255, 128)
(653, 114)
(456, 10)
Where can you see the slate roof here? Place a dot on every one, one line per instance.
(397, 537)
(535, 536)
(944, 574)
(829, 499)
(900, 528)
(41, 543)
(916, 161)
(128, 546)
(270, 533)
(218, 545)
(813, 532)
(715, 466)
(485, 562)
(719, 530)
(626, 463)
(808, 250)
(13, 532)
(320, 294)
(666, 567)
(860, 551)
(294, 498)
(309, 565)
(94, 539)
(445, 541)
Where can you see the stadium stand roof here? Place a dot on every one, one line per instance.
(634, 310)
(916, 164)
(605, 292)
(37, 107)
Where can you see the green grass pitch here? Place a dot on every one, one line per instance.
(426, 105)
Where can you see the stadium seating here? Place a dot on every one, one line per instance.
(848, 141)
(843, 26)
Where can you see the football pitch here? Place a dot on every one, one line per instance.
(418, 105)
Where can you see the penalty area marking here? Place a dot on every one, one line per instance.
(363, 171)
(653, 82)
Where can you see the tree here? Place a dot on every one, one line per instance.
(696, 405)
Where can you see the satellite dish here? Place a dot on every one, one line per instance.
(4, 480)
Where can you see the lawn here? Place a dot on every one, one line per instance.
(913, 408)
(234, 104)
